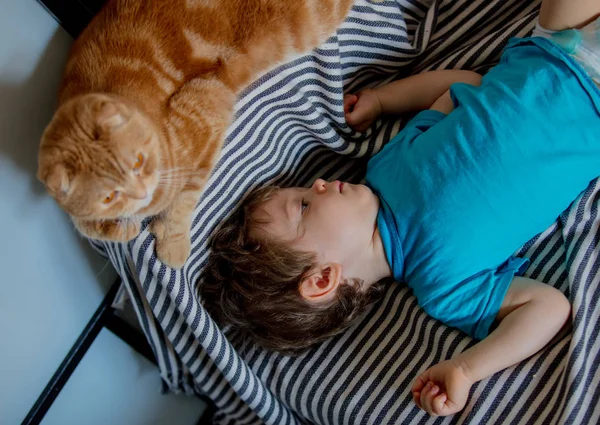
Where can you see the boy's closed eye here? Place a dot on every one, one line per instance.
(303, 206)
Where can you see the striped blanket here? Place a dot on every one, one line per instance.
(289, 129)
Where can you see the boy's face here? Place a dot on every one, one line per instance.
(333, 219)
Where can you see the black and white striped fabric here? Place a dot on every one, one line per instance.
(290, 129)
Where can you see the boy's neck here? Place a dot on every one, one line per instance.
(374, 265)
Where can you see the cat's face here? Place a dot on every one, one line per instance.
(100, 157)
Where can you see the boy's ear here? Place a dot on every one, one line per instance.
(322, 284)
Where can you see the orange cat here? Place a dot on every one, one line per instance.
(146, 99)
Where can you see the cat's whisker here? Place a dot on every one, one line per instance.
(169, 186)
(173, 169)
(177, 177)
(173, 109)
(173, 175)
(172, 181)
(120, 225)
(181, 171)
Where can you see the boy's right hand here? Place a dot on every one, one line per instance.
(362, 109)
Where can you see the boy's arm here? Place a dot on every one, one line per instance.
(419, 92)
(412, 94)
(532, 313)
(444, 104)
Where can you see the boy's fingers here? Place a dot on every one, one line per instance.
(361, 127)
(419, 384)
(351, 120)
(434, 390)
(349, 101)
(417, 390)
(426, 398)
(359, 113)
(356, 121)
(417, 399)
(438, 403)
(348, 116)
(346, 104)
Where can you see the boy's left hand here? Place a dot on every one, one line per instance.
(442, 389)
(362, 109)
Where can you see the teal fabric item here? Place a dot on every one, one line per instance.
(581, 44)
(568, 40)
(461, 193)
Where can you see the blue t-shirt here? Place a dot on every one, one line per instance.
(461, 193)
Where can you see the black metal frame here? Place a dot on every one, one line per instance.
(74, 16)
(72, 359)
(105, 317)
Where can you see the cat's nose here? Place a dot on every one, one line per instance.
(138, 192)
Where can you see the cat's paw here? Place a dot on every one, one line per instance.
(109, 230)
(173, 251)
(172, 247)
(118, 230)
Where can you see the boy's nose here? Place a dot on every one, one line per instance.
(320, 186)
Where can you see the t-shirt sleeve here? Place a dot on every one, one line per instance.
(463, 93)
(419, 124)
(423, 121)
(472, 305)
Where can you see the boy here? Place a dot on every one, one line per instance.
(490, 164)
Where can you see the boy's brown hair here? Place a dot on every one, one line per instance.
(252, 282)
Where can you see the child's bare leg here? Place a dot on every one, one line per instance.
(559, 15)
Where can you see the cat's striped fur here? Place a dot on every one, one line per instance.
(147, 96)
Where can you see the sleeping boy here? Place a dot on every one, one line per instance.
(488, 164)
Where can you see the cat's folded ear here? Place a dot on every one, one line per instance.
(56, 178)
(110, 115)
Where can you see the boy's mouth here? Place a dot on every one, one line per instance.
(340, 186)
